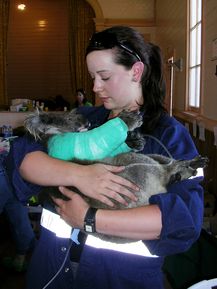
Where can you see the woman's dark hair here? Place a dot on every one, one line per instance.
(81, 90)
(131, 47)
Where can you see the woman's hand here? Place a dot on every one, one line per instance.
(99, 181)
(73, 210)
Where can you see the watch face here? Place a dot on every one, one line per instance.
(88, 228)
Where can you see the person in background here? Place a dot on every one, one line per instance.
(81, 99)
(127, 74)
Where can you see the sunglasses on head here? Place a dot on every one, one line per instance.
(108, 41)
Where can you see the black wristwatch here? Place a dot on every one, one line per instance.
(89, 220)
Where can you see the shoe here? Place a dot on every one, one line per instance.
(17, 264)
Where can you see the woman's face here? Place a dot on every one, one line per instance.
(113, 84)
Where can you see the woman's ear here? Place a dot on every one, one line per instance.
(137, 70)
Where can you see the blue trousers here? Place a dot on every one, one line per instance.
(16, 213)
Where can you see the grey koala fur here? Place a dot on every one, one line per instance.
(152, 173)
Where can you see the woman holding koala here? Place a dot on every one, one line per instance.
(127, 74)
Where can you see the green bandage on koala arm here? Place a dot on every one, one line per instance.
(106, 140)
(123, 148)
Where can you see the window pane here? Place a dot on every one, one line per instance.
(199, 44)
(197, 87)
(193, 48)
(193, 12)
(192, 87)
(199, 10)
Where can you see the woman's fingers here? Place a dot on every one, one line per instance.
(72, 210)
(120, 180)
(111, 196)
(119, 196)
(119, 187)
(60, 202)
(66, 192)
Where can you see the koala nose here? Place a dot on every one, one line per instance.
(85, 122)
(175, 178)
(178, 177)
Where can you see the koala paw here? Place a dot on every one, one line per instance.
(135, 141)
(132, 119)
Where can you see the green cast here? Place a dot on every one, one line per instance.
(106, 140)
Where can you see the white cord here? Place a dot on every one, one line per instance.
(61, 267)
(163, 146)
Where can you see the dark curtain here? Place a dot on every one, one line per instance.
(4, 17)
(81, 27)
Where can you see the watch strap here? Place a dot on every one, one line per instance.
(90, 221)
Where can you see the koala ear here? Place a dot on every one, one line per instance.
(137, 70)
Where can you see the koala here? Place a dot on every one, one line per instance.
(152, 173)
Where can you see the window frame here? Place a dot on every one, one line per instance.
(189, 67)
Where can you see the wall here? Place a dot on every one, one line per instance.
(171, 21)
(139, 9)
(210, 79)
(137, 13)
(170, 35)
(38, 56)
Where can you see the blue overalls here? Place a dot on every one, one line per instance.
(182, 214)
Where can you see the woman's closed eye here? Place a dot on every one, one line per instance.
(105, 78)
(102, 78)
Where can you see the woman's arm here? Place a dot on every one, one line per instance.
(97, 181)
(143, 223)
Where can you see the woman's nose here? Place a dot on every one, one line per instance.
(97, 86)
